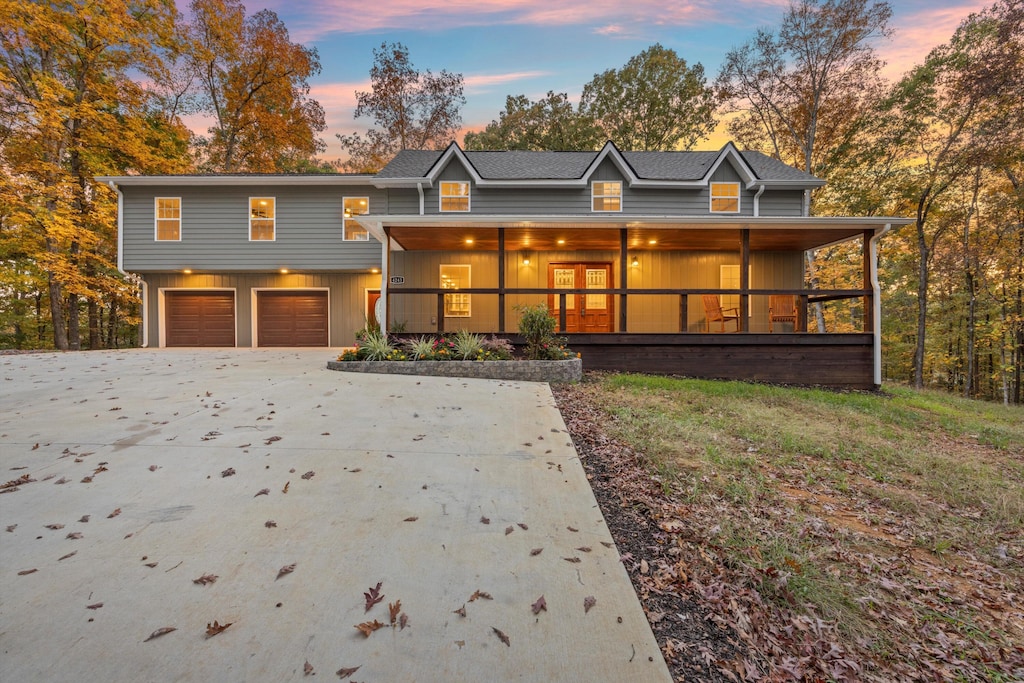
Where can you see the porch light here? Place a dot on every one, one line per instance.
(283, 271)
(652, 242)
(561, 242)
(187, 271)
(469, 240)
(374, 270)
(636, 262)
(526, 260)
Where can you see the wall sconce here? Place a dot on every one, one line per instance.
(526, 258)
(635, 262)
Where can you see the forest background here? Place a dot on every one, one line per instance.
(106, 87)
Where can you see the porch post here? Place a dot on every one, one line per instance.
(385, 269)
(869, 317)
(623, 277)
(744, 321)
(501, 280)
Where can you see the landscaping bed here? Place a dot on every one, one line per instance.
(570, 370)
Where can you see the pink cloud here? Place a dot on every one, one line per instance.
(915, 35)
(481, 82)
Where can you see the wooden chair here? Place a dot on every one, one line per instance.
(713, 313)
(782, 309)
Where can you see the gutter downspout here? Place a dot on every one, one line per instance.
(757, 202)
(419, 188)
(120, 264)
(877, 304)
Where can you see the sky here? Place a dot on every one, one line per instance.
(512, 47)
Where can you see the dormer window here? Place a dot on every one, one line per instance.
(454, 196)
(725, 197)
(606, 196)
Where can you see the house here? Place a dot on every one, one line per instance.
(645, 258)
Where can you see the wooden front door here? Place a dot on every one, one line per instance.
(372, 297)
(585, 313)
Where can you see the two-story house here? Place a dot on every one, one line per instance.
(645, 258)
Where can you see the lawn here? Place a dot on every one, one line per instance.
(839, 535)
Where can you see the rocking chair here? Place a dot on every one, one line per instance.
(782, 309)
(714, 313)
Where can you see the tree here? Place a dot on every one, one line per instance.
(654, 102)
(255, 83)
(72, 111)
(413, 110)
(550, 123)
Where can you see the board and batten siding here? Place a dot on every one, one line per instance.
(215, 230)
(577, 201)
(346, 298)
(646, 313)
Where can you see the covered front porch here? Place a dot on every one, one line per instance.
(697, 297)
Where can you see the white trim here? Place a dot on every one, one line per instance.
(157, 219)
(876, 302)
(161, 305)
(711, 196)
(261, 179)
(740, 165)
(593, 196)
(344, 220)
(248, 211)
(441, 196)
(253, 308)
(366, 301)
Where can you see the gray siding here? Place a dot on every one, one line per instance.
(577, 201)
(346, 298)
(215, 230)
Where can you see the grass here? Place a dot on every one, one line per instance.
(894, 475)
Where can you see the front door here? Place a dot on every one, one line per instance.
(587, 313)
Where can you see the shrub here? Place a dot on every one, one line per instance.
(467, 345)
(497, 348)
(376, 346)
(421, 348)
(537, 326)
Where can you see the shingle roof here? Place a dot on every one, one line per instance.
(525, 165)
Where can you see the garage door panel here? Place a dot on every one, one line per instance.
(199, 318)
(291, 318)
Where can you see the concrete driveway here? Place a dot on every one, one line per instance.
(438, 489)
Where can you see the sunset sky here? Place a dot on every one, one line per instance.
(510, 47)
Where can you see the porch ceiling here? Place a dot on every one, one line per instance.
(601, 238)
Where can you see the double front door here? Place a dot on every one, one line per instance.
(584, 313)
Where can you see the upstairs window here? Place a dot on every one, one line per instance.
(351, 230)
(606, 196)
(261, 219)
(168, 219)
(725, 197)
(455, 196)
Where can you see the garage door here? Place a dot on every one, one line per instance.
(199, 318)
(291, 318)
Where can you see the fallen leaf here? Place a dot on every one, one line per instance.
(36, 447)
(286, 485)
(287, 569)
(606, 544)
(307, 668)
(501, 636)
(11, 528)
(95, 605)
(403, 621)
(228, 472)
(160, 632)
(373, 596)
(485, 520)
(55, 527)
(271, 440)
(583, 549)
(536, 551)
(393, 609)
(461, 611)
(572, 529)
(541, 604)
(215, 628)
(270, 524)
(644, 567)
(74, 535)
(244, 445)
(345, 673)
(588, 602)
(23, 479)
(26, 572)
(368, 627)
(410, 519)
(84, 519)
(86, 480)
(153, 468)
(308, 475)
(460, 643)
(71, 554)
(509, 530)
(355, 469)
(481, 595)
(115, 513)
(523, 526)
(262, 492)
(152, 565)
(206, 579)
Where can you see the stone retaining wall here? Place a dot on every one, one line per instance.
(525, 370)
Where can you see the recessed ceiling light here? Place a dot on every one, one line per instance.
(284, 271)
(469, 240)
(187, 271)
(561, 241)
(652, 241)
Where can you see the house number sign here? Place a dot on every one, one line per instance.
(397, 279)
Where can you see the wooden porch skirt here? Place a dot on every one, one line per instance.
(831, 360)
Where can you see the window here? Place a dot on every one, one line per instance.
(606, 196)
(168, 219)
(352, 231)
(455, 196)
(725, 197)
(261, 219)
(455, 277)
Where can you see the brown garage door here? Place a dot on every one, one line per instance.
(291, 318)
(200, 318)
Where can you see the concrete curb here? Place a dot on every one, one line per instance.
(523, 370)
